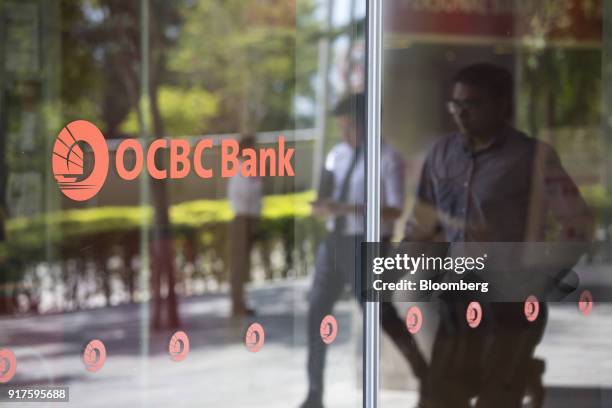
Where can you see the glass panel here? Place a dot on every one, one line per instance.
(135, 268)
(499, 110)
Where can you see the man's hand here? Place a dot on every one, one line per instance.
(320, 208)
(327, 208)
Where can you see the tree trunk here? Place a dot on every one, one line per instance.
(162, 258)
(162, 240)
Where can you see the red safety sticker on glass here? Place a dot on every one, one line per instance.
(473, 314)
(329, 329)
(94, 356)
(178, 347)
(414, 319)
(585, 304)
(531, 308)
(8, 365)
(255, 337)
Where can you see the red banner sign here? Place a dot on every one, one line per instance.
(567, 20)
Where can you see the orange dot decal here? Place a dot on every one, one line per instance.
(255, 337)
(94, 356)
(414, 319)
(178, 347)
(585, 304)
(8, 365)
(473, 314)
(329, 329)
(531, 308)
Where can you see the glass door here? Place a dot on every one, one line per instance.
(500, 113)
(182, 190)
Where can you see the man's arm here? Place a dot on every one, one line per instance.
(326, 185)
(560, 216)
(321, 206)
(561, 197)
(393, 190)
(424, 224)
(392, 200)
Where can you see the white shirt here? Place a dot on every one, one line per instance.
(338, 162)
(245, 194)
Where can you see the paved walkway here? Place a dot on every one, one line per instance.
(220, 372)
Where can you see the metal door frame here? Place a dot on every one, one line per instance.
(371, 357)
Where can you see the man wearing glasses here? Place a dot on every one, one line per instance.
(489, 182)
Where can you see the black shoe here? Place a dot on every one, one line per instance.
(312, 402)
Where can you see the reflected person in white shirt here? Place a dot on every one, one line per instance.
(245, 196)
(341, 201)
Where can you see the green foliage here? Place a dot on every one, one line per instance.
(600, 203)
(94, 232)
(245, 52)
(28, 235)
(184, 111)
(225, 66)
(70, 225)
(94, 43)
(288, 205)
(561, 87)
(596, 197)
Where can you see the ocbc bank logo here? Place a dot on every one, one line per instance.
(69, 160)
(76, 182)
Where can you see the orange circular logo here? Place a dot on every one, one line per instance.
(531, 308)
(585, 304)
(69, 164)
(414, 319)
(8, 365)
(178, 347)
(94, 356)
(329, 329)
(255, 337)
(473, 314)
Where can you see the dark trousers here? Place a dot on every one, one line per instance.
(493, 362)
(242, 236)
(337, 265)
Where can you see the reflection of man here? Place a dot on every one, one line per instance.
(245, 195)
(341, 201)
(489, 183)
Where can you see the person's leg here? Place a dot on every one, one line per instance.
(252, 223)
(327, 286)
(239, 244)
(509, 358)
(392, 322)
(395, 328)
(452, 376)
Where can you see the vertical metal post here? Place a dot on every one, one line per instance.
(50, 67)
(145, 134)
(374, 91)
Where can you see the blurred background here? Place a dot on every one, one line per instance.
(144, 258)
